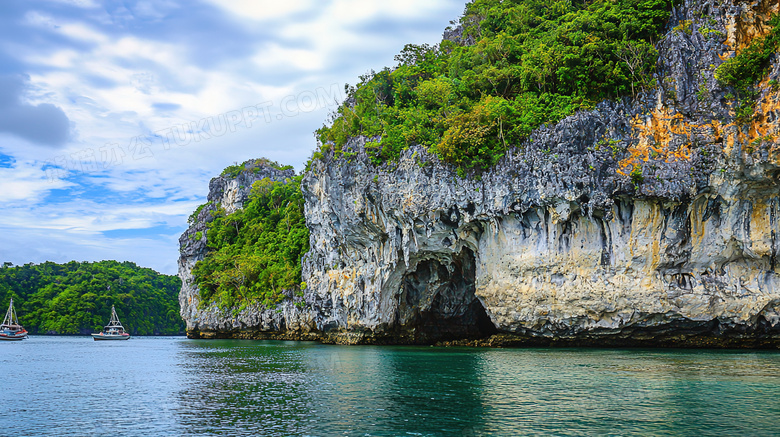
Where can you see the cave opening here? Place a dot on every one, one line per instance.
(438, 302)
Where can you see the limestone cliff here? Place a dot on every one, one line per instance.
(649, 221)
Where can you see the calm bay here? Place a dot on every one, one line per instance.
(71, 386)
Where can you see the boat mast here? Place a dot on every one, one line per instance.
(114, 318)
(10, 315)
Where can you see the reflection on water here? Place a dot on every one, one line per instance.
(174, 386)
(631, 392)
(288, 388)
(247, 388)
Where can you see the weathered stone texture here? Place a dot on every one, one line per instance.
(650, 221)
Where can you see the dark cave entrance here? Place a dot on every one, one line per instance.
(438, 302)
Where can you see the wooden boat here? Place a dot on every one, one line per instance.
(11, 330)
(113, 331)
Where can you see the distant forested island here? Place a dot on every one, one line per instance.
(76, 297)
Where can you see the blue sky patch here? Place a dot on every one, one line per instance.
(149, 232)
(6, 161)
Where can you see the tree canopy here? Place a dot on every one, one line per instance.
(76, 297)
(509, 67)
(255, 253)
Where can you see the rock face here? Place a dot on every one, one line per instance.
(653, 221)
(650, 221)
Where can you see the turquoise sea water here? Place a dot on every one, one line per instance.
(174, 386)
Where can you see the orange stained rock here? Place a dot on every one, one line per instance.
(760, 228)
(698, 209)
(766, 118)
(742, 29)
(655, 132)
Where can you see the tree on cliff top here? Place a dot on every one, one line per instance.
(515, 65)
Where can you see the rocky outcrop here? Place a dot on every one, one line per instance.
(649, 221)
(644, 222)
(229, 193)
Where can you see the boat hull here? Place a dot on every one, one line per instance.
(101, 337)
(13, 337)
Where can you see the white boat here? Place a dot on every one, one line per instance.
(113, 331)
(11, 330)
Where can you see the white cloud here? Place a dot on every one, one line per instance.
(22, 245)
(275, 56)
(38, 19)
(27, 184)
(266, 10)
(356, 11)
(59, 59)
(75, 230)
(88, 4)
(82, 32)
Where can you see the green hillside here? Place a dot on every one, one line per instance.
(76, 298)
(513, 66)
(255, 253)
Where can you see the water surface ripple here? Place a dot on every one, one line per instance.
(73, 386)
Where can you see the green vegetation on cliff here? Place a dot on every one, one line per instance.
(749, 66)
(517, 65)
(255, 253)
(253, 165)
(76, 298)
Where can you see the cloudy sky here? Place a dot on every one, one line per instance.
(115, 114)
